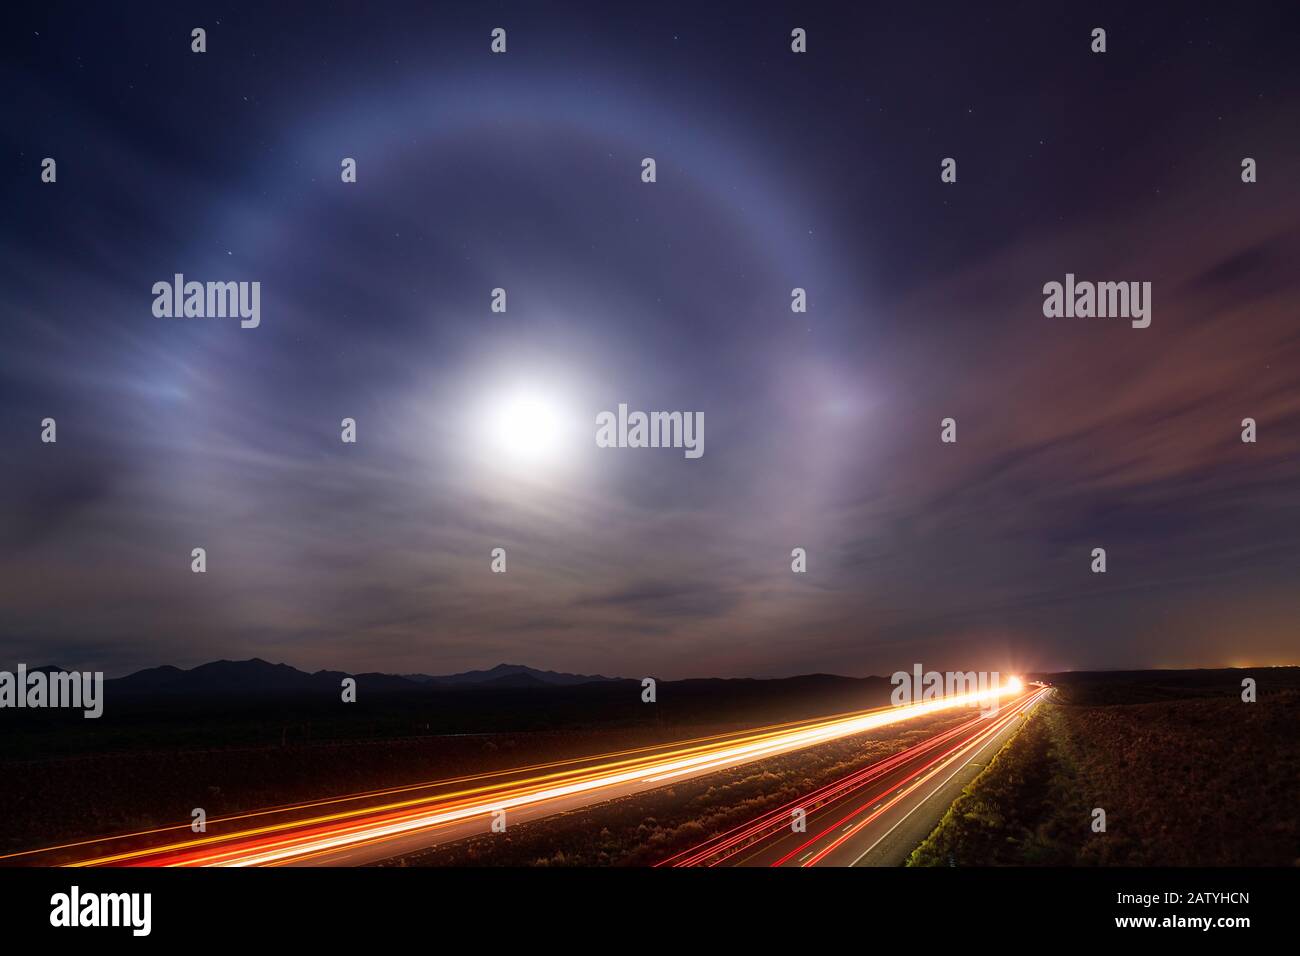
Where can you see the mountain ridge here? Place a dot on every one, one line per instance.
(256, 675)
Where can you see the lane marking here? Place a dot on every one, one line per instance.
(963, 752)
(927, 797)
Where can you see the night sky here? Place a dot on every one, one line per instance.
(775, 170)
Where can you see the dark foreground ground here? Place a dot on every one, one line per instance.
(1187, 773)
(243, 742)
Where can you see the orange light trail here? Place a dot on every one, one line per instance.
(915, 779)
(776, 824)
(541, 788)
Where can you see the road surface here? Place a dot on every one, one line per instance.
(366, 828)
(875, 816)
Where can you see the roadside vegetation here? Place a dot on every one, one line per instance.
(1200, 779)
(1018, 810)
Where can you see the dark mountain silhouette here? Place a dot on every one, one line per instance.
(512, 680)
(249, 677)
(259, 677)
(500, 674)
(150, 679)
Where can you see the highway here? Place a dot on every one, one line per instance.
(877, 815)
(364, 828)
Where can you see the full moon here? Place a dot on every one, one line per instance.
(526, 427)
